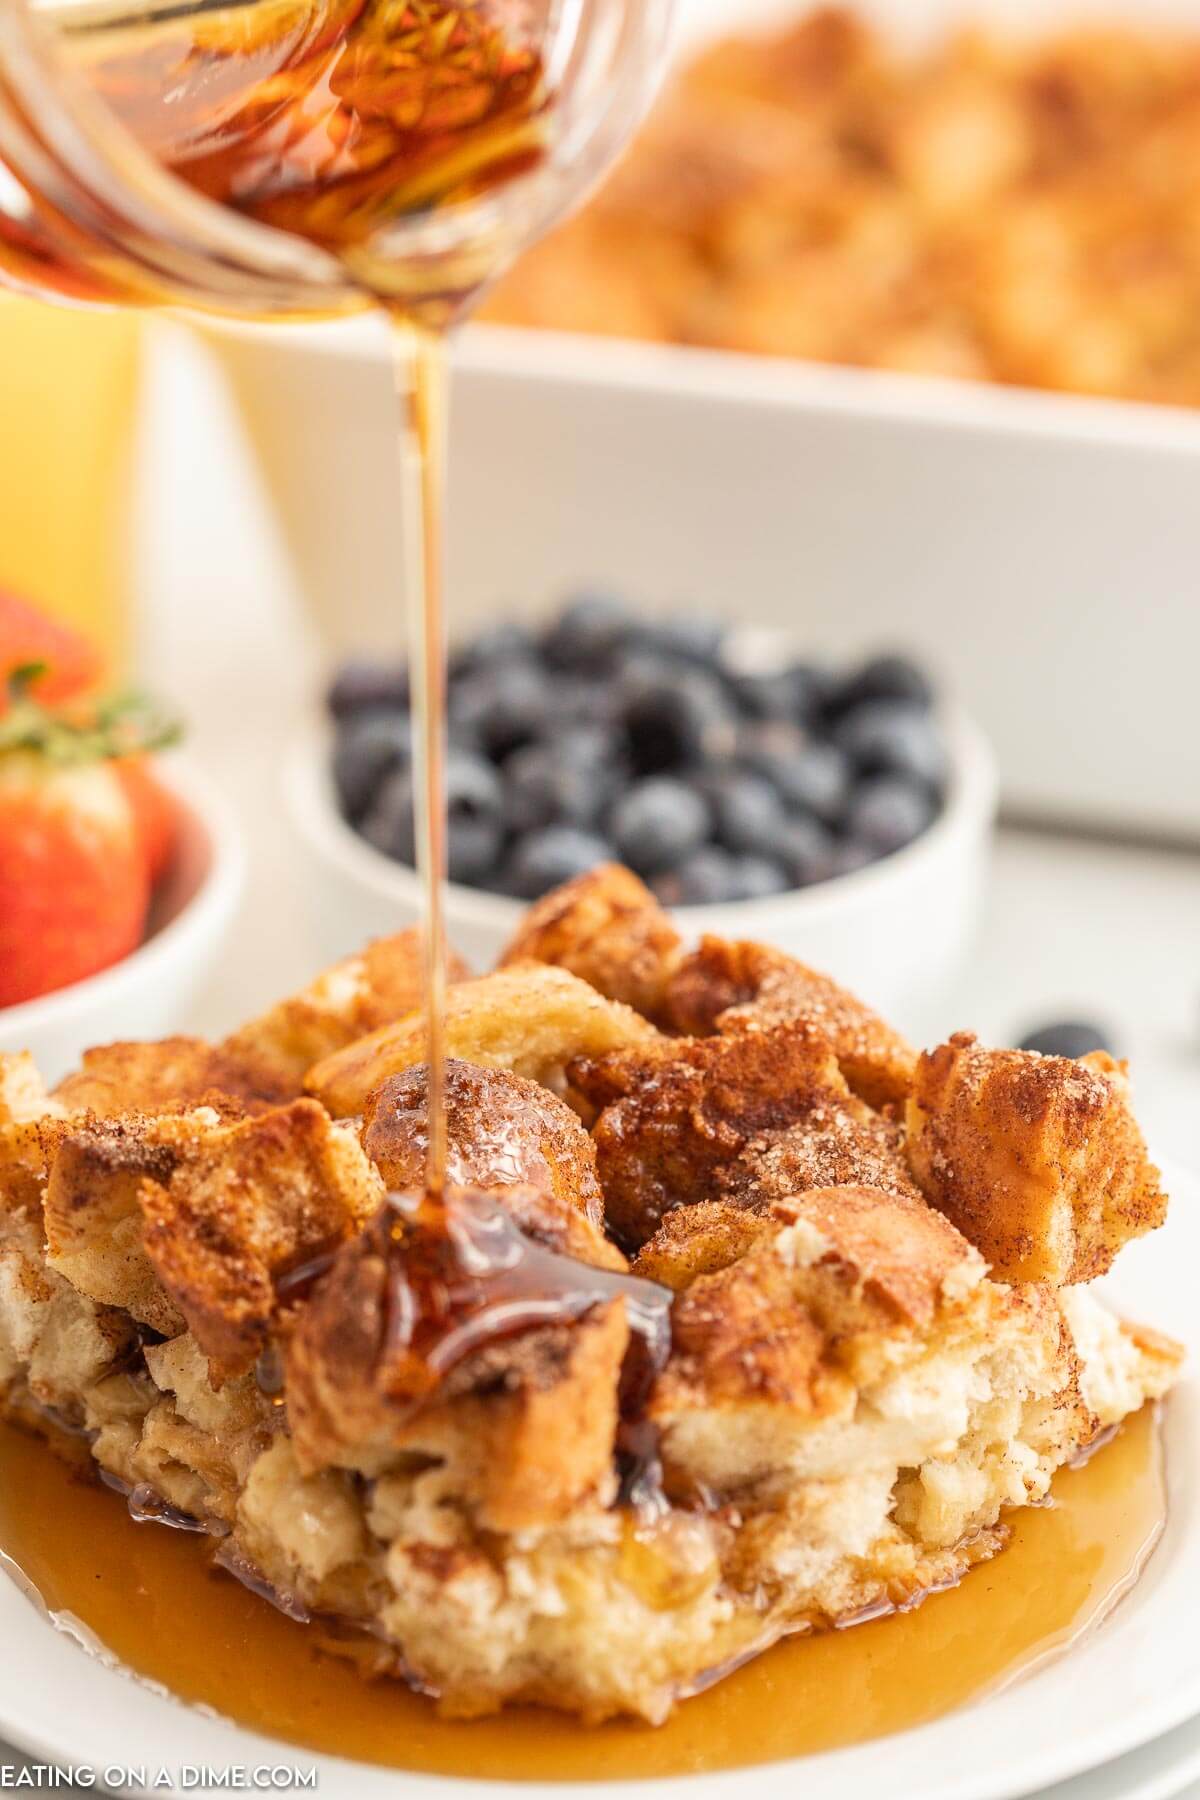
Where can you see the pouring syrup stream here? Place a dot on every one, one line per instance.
(421, 386)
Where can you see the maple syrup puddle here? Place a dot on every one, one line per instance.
(151, 1600)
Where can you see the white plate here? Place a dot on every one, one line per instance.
(1135, 1679)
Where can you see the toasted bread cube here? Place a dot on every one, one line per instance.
(117, 1079)
(24, 1096)
(355, 996)
(26, 1151)
(726, 985)
(501, 1132)
(525, 1422)
(607, 928)
(1037, 1159)
(744, 1117)
(93, 1211)
(699, 1240)
(279, 1190)
(528, 1017)
(845, 1289)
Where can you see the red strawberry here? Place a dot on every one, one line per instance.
(155, 813)
(75, 849)
(70, 664)
(74, 884)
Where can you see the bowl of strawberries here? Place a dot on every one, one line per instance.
(120, 869)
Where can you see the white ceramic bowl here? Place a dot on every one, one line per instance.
(894, 932)
(147, 994)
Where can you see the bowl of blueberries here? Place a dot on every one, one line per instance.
(841, 813)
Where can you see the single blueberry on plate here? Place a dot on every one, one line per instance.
(748, 815)
(545, 859)
(587, 634)
(887, 812)
(1067, 1037)
(369, 746)
(657, 822)
(893, 737)
(367, 682)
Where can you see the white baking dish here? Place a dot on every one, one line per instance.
(1043, 551)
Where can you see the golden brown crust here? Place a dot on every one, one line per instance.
(450, 1436)
(699, 1240)
(501, 1131)
(161, 1077)
(528, 1017)
(844, 1291)
(820, 191)
(725, 985)
(607, 928)
(745, 1117)
(1037, 1159)
(92, 1205)
(787, 1322)
(527, 1419)
(278, 1191)
(24, 1096)
(357, 995)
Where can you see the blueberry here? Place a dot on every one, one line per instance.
(586, 634)
(554, 783)
(1069, 1037)
(683, 637)
(657, 822)
(473, 848)
(369, 746)
(389, 823)
(367, 683)
(473, 788)
(893, 737)
(505, 642)
(500, 708)
(851, 854)
(886, 677)
(547, 858)
(474, 818)
(766, 686)
(768, 694)
(673, 721)
(887, 812)
(757, 878)
(577, 700)
(809, 777)
(748, 815)
(806, 851)
(706, 878)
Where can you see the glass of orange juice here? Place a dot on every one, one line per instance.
(69, 384)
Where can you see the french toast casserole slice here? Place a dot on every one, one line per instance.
(739, 1318)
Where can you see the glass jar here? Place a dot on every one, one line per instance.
(90, 210)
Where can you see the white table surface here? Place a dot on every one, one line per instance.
(1071, 927)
